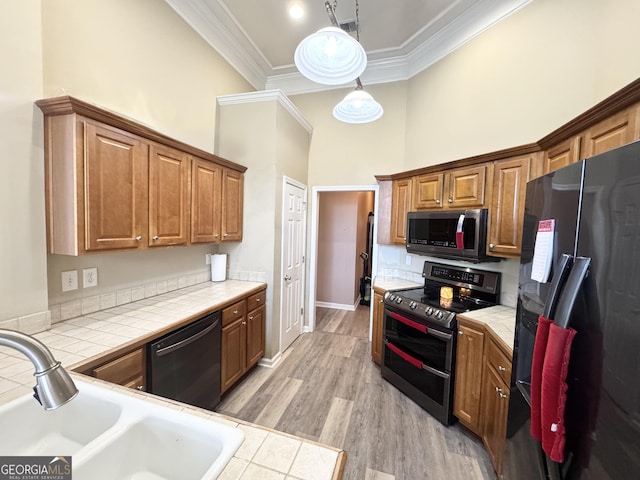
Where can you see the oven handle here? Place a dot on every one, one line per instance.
(414, 361)
(421, 328)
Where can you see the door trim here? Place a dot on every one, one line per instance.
(287, 180)
(310, 324)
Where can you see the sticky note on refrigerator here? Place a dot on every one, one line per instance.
(543, 251)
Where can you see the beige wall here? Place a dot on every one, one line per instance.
(521, 79)
(23, 283)
(264, 136)
(141, 60)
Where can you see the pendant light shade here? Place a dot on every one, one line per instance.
(331, 57)
(358, 107)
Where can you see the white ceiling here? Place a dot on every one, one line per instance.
(401, 37)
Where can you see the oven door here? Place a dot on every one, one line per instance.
(418, 359)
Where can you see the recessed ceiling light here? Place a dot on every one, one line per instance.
(296, 11)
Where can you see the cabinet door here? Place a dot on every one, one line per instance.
(206, 201)
(510, 179)
(232, 195)
(466, 187)
(427, 191)
(495, 406)
(400, 206)
(376, 334)
(468, 386)
(613, 132)
(234, 353)
(168, 196)
(115, 189)
(255, 336)
(128, 370)
(561, 155)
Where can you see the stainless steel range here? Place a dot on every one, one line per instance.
(420, 332)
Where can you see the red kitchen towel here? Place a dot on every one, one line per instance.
(539, 348)
(554, 390)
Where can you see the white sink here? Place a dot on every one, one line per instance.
(112, 435)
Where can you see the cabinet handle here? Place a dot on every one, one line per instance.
(460, 332)
(451, 200)
(235, 311)
(251, 317)
(257, 300)
(498, 389)
(491, 245)
(217, 235)
(226, 235)
(501, 395)
(244, 323)
(156, 237)
(438, 202)
(501, 368)
(140, 387)
(138, 238)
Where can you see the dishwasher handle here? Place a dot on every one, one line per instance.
(187, 341)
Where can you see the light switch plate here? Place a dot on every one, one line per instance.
(69, 280)
(89, 277)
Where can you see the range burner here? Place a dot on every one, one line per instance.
(471, 288)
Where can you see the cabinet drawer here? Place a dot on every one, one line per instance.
(122, 370)
(256, 300)
(499, 361)
(233, 313)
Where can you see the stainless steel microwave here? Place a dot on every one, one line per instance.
(453, 234)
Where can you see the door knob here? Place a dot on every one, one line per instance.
(287, 277)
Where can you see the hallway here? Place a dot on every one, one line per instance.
(328, 390)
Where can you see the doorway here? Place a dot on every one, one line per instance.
(344, 269)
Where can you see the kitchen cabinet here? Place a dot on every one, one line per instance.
(614, 131)
(128, 370)
(243, 337)
(495, 402)
(168, 196)
(468, 378)
(506, 215)
(378, 325)
(112, 184)
(400, 205)
(459, 188)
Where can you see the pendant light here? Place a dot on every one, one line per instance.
(330, 56)
(358, 107)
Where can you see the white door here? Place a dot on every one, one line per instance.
(293, 254)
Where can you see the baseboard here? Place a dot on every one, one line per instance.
(339, 306)
(270, 362)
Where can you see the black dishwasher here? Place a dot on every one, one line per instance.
(185, 365)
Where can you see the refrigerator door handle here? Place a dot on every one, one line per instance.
(579, 272)
(562, 270)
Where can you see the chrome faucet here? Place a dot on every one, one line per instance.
(54, 386)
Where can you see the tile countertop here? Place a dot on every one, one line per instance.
(501, 319)
(265, 453)
(394, 283)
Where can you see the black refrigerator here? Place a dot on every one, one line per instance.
(594, 283)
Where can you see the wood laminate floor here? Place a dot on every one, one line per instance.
(327, 389)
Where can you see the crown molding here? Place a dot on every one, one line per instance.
(211, 20)
(267, 96)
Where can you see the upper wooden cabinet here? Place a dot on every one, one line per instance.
(458, 188)
(510, 179)
(168, 196)
(112, 183)
(400, 206)
(612, 132)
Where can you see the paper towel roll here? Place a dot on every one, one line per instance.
(218, 267)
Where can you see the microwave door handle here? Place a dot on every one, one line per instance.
(560, 275)
(579, 272)
(460, 233)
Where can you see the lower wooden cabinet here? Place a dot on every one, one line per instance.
(378, 322)
(128, 370)
(481, 392)
(243, 337)
(468, 380)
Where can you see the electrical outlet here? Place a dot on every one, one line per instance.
(69, 280)
(207, 259)
(89, 277)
